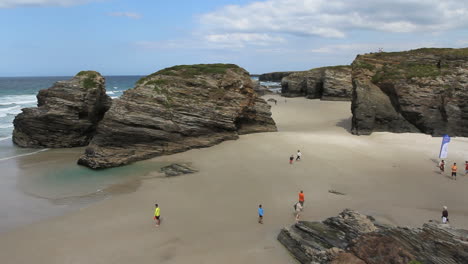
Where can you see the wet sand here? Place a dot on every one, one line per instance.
(211, 217)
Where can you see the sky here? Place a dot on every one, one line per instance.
(124, 37)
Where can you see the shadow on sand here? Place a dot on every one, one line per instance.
(345, 123)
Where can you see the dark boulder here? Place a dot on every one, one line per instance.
(352, 237)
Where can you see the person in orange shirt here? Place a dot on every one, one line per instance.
(454, 171)
(301, 198)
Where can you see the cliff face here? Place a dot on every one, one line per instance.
(424, 90)
(353, 238)
(176, 109)
(326, 83)
(274, 76)
(66, 114)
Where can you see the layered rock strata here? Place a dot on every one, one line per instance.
(66, 114)
(260, 89)
(177, 109)
(423, 90)
(274, 76)
(326, 83)
(353, 238)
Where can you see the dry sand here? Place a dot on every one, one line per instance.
(211, 216)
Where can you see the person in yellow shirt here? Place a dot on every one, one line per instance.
(454, 171)
(157, 215)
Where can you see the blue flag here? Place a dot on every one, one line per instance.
(444, 147)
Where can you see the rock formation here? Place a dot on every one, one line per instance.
(274, 76)
(177, 109)
(66, 114)
(353, 238)
(423, 90)
(176, 169)
(260, 89)
(326, 83)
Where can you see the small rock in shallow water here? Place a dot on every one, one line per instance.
(176, 170)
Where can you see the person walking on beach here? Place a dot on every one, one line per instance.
(445, 215)
(299, 155)
(260, 214)
(298, 211)
(454, 171)
(301, 198)
(442, 166)
(466, 168)
(291, 159)
(157, 215)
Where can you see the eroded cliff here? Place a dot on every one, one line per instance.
(423, 90)
(326, 83)
(176, 109)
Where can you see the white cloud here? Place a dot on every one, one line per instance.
(336, 18)
(39, 3)
(131, 15)
(241, 39)
(361, 48)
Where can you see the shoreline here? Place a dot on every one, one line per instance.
(210, 216)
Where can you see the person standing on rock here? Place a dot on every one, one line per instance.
(445, 215)
(301, 198)
(298, 211)
(454, 171)
(299, 155)
(260, 214)
(442, 166)
(291, 159)
(157, 215)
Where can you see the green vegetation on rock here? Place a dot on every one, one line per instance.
(336, 67)
(89, 81)
(189, 71)
(157, 82)
(407, 71)
(364, 65)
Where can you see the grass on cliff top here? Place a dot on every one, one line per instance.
(407, 71)
(189, 71)
(336, 67)
(89, 81)
(434, 51)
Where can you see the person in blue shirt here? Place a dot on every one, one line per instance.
(260, 214)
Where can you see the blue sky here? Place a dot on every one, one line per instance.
(118, 37)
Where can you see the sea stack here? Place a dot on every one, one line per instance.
(177, 109)
(326, 83)
(66, 114)
(423, 90)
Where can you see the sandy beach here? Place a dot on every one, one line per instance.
(211, 216)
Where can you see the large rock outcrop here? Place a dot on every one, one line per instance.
(423, 90)
(353, 238)
(326, 83)
(274, 76)
(66, 114)
(176, 109)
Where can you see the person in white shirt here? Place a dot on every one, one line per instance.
(299, 155)
(298, 211)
